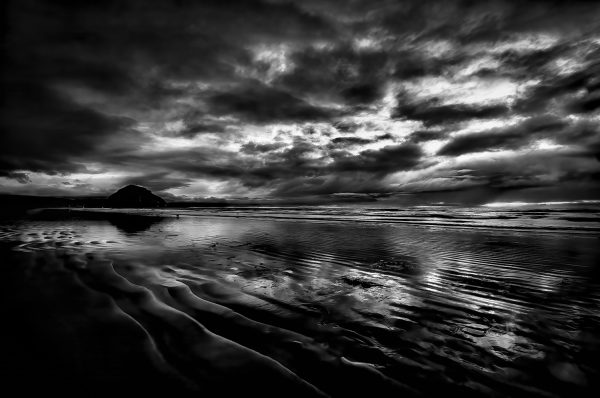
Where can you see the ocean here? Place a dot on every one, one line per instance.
(499, 300)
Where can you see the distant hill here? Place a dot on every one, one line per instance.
(134, 196)
(15, 206)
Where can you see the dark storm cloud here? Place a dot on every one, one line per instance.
(254, 148)
(361, 186)
(587, 104)
(255, 170)
(584, 135)
(509, 138)
(123, 49)
(341, 73)
(297, 164)
(256, 102)
(426, 135)
(197, 128)
(346, 126)
(338, 168)
(483, 141)
(538, 176)
(181, 38)
(432, 113)
(526, 64)
(195, 162)
(413, 64)
(196, 121)
(383, 161)
(46, 132)
(474, 21)
(349, 140)
(107, 83)
(22, 178)
(541, 169)
(554, 87)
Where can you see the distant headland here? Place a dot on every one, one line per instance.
(134, 196)
(130, 196)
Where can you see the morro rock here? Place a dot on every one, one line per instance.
(134, 196)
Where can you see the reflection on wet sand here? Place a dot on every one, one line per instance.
(307, 307)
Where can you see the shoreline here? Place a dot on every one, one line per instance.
(158, 214)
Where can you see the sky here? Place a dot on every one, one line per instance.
(314, 102)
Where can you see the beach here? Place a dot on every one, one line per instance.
(285, 302)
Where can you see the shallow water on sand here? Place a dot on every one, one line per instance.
(303, 306)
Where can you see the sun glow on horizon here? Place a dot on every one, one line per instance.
(552, 203)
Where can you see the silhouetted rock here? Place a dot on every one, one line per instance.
(134, 196)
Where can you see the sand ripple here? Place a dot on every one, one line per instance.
(277, 308)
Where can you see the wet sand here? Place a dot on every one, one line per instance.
(275, 307)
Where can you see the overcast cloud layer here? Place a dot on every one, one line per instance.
(303, 102)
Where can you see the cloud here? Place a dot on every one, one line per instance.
(467, 21)
(349, 140)
(385, 160)
(587, 104)
(280, 100)
(554, 88)
(584, 135)
(259, 103)
(46, 132)
(512, 137)
(254, 148)
(328, 187)
(507, 139)
(196, 128)
(426, 135)
(482, 178)
(340, 73)
(343, 142)
(432, 113)
(346, 126)
(414, 63)
(125, 52)
(21, 178)
(524, 170)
